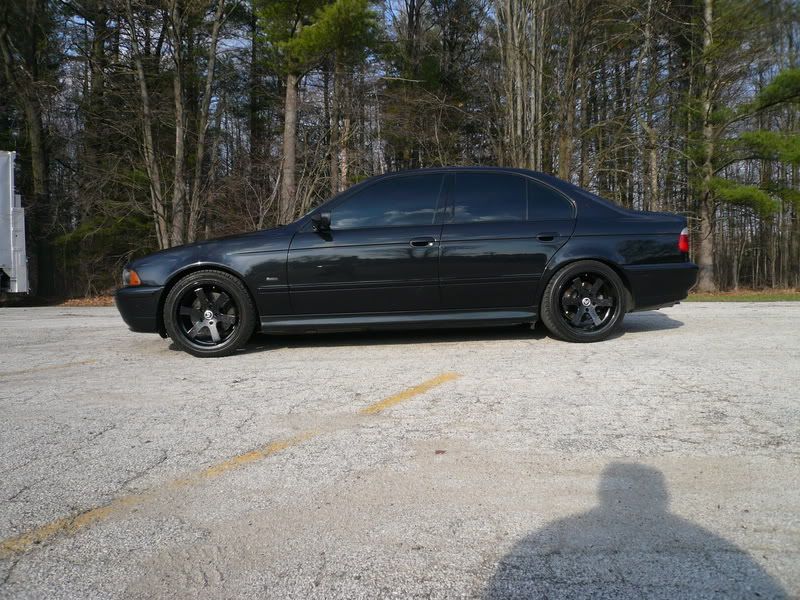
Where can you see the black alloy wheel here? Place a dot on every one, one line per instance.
(584, 302)
(587, 302)
(209, 313)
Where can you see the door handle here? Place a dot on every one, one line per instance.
(547, 236)
(422, 242)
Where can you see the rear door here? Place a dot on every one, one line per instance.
(380, 255)
(500, 231)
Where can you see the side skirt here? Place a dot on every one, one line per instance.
(367, 321)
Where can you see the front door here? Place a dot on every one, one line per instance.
(380, 255)
(500, 231)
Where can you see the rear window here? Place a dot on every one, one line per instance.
(486, 197)
(546, 204)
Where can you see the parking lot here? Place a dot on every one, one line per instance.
(471, 463)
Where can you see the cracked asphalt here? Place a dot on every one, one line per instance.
(486, 463)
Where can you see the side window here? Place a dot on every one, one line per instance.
(484, 197)
(545, 204)
(397, 201)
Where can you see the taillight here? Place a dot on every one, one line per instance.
(683, 240)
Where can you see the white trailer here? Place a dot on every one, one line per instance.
(13, 260)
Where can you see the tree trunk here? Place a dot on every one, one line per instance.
(288, 196)
(177, 236)
(197, 188)
(706, 282)
(334, 124)
(344, 139)
(151, 163)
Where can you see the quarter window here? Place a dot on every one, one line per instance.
(485, 197)
(545, 204)
(392, 202)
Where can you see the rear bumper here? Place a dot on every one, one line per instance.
(139, 307)
(655, 286)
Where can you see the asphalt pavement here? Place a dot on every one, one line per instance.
(483, 463)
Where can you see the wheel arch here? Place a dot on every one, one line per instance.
(188, 270)
(554, 268)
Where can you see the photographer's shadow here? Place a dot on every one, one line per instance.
(630, 546)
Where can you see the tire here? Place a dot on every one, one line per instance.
(585, 301)
(209, 314)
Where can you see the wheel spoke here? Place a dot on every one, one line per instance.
(194, 331)
(576, 320)
(604, 302)
(577, 285)
(214, 333)
(569, 300)
(595, 317)
(598, 283)
(222, 301)
(227, 319)
(201, 296)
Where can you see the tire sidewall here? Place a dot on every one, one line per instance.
(551, 312)
(240, 296)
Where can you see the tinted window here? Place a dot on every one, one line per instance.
(482, 197)
(546, 204)
(396, 201)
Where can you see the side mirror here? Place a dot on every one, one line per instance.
(321, 221)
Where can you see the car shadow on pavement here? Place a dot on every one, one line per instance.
(634, 323)
(630, 546)
(652, 320)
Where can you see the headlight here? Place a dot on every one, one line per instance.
(130, 277)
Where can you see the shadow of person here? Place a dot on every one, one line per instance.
(630, 546)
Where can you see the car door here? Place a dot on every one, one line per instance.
(500, 231)
(380, 255)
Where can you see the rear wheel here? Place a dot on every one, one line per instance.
(584, 302)
(209, 313)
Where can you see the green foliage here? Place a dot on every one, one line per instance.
(788, 195)
(281, 21)
(304, 32)
(784, 88)
(771, 145)
(744, 195)
(94, 251)
(347, 27)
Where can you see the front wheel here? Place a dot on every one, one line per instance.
(584, 302)
(209, 313)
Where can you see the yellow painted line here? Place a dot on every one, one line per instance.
(48, 368)
(374, 409)
(244, 459)
(71, 525)
(67, 525)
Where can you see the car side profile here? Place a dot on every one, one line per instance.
(423, 248)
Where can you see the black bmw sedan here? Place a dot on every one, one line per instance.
(438, 247)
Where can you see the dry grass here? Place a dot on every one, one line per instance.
(90, 301)
(768, 295)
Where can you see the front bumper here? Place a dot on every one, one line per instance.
(654, 286)
(139, 307)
